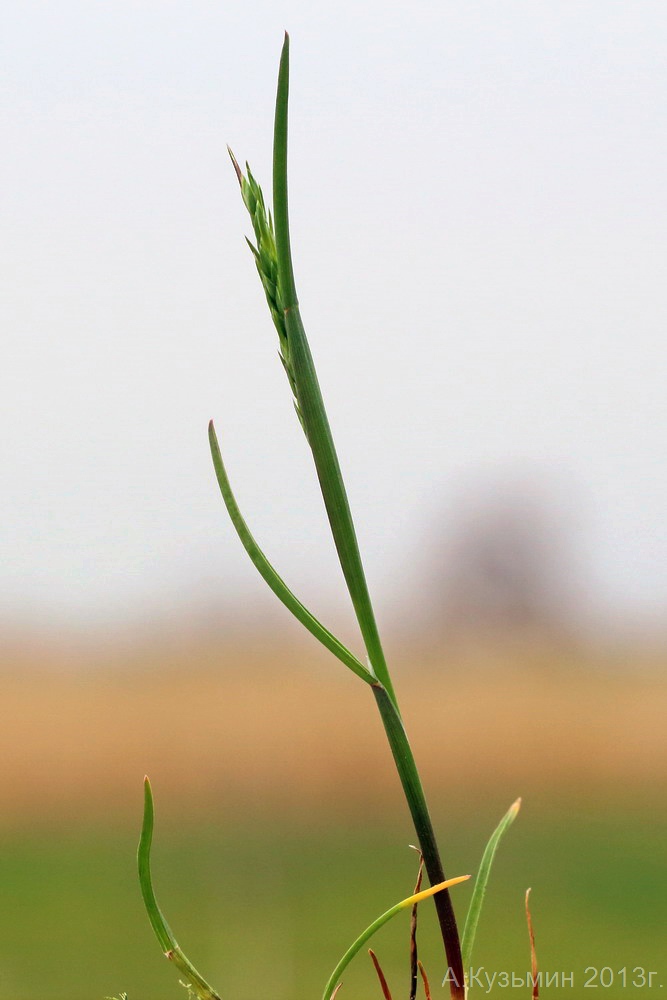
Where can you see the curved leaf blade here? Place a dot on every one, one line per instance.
(271, 577)
(162, 930)
(404, 904)
(475, 908)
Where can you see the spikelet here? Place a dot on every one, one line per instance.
(266, 259)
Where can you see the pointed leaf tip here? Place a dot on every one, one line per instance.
(533, 954)
(334, 978)
(475, 907)
(417, 897)
(236, 165)
(161, 929)
(380, 974)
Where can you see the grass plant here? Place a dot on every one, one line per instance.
(272, 254)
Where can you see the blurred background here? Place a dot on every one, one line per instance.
(478, 206)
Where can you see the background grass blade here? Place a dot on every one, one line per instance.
(268, 573)
(534, 977)
(414, 960)
(163, 932)
(377, 924)
(481, 881)
(386, 992)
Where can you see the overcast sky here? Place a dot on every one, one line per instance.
(478, 204)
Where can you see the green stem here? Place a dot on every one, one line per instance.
(414, 794)
(318, 433)
(311, 404)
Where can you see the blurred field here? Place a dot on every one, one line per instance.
(281, 828)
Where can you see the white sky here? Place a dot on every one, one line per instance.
(478, 203)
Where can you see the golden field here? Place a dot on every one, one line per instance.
(287, 729)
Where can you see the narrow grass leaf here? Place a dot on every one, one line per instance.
(380, 922)
(309, 397)
(427, 987)
(481, 882)
(195, 982)
(413, 929)
(380, 974)
(268, 573)
(533, 953)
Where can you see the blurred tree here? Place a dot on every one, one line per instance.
(507, 565)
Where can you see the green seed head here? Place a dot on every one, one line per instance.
(266, 258)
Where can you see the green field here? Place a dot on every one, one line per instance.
(265, 912)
